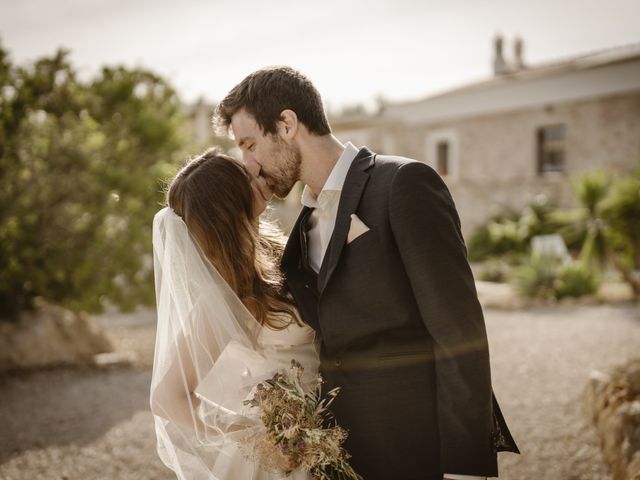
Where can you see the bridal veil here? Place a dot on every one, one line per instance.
(206, 356)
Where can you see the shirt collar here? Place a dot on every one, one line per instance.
(336, 178)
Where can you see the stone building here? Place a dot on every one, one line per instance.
(524, 132)
(199, 115)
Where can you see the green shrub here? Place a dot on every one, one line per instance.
(510, 234)
(622, 213)
(495, 270)
(575, 280)
(547, 277)
(604, 229)
(479, 246)
(499, 236)
(80, 163)
(536, 276)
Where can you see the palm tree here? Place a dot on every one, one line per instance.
(622, 213)
(585, 224)
(591, 190)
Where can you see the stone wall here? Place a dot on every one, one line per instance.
(497, 160)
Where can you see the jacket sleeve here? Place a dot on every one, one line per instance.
(426, 228)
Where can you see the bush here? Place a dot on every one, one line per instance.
(511, 234)
(79, 166)
(536, 276)
(546, 277)
(622, 214)
(591, 189)
(495, 270)
(575, 280)
(499, 236)
(604, 228)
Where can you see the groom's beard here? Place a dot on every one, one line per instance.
(282, 179)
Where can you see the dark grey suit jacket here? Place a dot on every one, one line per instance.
(402, 330)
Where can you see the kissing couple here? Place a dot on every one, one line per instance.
(372, 290)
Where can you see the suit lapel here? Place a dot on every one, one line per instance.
(352, 190)
(299, 276)
(292, 255)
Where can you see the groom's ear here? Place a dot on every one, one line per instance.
(288, 124)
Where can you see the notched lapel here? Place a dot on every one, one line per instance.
(354, 183)
(293, 249)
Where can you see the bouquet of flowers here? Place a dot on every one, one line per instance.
(297, 432)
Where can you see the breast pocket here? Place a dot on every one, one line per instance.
(368, 237)
(360, 262)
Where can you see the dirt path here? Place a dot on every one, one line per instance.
(70, 424)
(89, 425)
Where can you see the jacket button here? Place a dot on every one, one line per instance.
(337, 363)
(306, 285)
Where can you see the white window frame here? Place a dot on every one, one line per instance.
(431, 152)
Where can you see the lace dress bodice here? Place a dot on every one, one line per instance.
(278, 347)
(293, 342)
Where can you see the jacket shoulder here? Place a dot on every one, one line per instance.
(390, 165)
(392, 162)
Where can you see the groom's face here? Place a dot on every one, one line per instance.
(268, 156)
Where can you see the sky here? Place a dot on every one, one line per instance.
(353, 51)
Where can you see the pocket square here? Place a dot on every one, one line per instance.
(357, 228)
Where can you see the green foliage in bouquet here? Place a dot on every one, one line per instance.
(79, 168)
(297, 428)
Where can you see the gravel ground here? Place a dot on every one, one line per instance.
(541, 361)
(83, 424)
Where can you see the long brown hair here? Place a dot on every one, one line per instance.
(212, 193)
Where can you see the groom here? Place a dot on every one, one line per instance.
(377, 265)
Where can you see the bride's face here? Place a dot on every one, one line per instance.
(268, 156)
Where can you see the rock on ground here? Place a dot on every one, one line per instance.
(50, 335)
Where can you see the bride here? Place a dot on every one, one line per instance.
(225, 321)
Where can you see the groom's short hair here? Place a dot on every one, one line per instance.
(266, 93)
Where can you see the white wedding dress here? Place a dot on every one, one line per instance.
(279, 348)
(210, 353)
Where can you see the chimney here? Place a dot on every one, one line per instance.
(518, 48)
(499, 63)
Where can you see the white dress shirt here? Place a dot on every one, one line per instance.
(323, 219)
